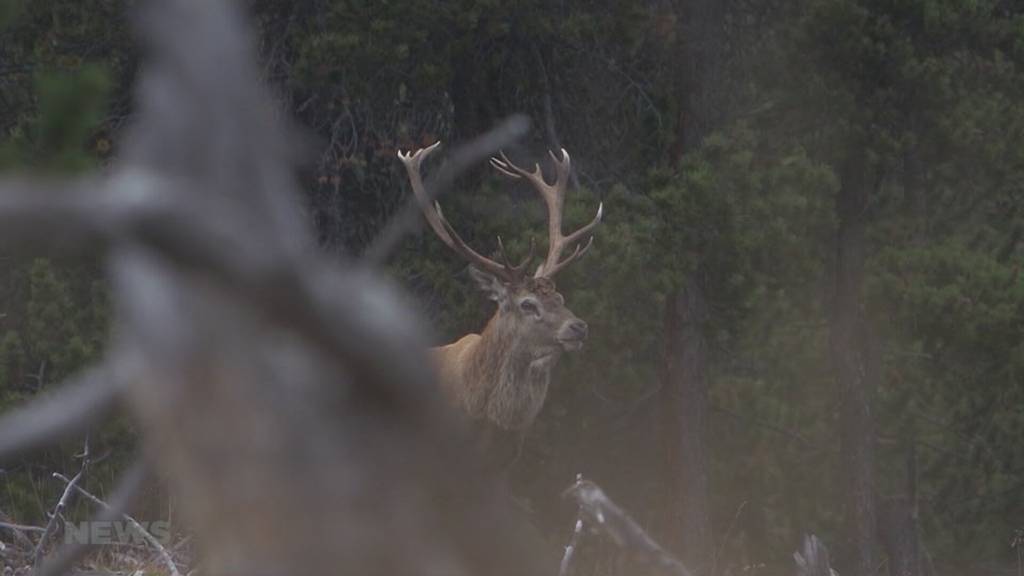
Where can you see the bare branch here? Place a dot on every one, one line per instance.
(65, 215)
(164, 554)
(63, 414)
(18, 530)
(577, 533)
(337, 312)
(812, 558)
(124, 493)
(606, 517)
(62, 504)
(259, 367)
(21, 527)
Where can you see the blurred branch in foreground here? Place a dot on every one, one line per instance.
(283, 398)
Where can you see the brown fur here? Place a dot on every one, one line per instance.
(491, 378)
(502, 375)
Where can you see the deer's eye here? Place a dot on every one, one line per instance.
(529, 307)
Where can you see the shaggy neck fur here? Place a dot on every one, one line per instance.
(509, 382)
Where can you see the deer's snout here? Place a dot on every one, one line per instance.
(572, 334)
(578, 329)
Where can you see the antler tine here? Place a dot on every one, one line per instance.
(436, 220)
(503, 271)
(529, 256)
(412, 162)
(520, 268)
(577, 235)
(553, 195)
(576, 254)
(562, 169)
(503, 168)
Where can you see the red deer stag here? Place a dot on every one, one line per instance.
(500, 377)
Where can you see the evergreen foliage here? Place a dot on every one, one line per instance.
(926, 95)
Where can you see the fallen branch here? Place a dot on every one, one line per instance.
(577, 533)
(164, 554)
(124, 493)
(812, 558)
(18, 530)
(605, 516)
(65, 497)
(21, 527)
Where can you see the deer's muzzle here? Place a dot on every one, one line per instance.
(572, 334)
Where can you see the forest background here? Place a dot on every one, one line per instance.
(805, 305)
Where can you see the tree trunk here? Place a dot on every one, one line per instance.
(856, 370)
(898, 527)
(700, 47)
(686, 409)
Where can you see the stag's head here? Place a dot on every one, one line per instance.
(529, 306)
(534, 310)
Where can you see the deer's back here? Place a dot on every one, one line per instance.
(453, 367)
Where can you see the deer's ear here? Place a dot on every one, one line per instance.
(491, 285)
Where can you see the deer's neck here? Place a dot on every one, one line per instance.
(508, 385)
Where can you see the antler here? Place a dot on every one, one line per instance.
(554, 197)
(432, 210)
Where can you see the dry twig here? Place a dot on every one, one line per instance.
(574, 541)
(128, 486)
(62, 504)
(172, 567)
(812, 558)
(603, 515)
